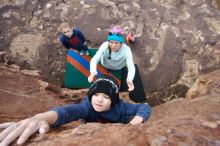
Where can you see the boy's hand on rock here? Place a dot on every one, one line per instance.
(137, 120)
(21, 130)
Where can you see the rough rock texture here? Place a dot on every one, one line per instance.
(205, 84)
(179, 122)
(177, 40)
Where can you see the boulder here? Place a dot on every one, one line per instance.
(206, 84)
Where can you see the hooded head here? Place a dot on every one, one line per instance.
(116, 34)
(105, 84)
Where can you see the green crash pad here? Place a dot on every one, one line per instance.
(77, 70)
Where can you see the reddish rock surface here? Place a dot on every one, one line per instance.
(21, 96)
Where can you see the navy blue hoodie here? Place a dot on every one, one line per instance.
(120, 112)
(77, 41)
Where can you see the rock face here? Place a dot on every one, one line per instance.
(22, 96)
(177, 40)
(205, 84)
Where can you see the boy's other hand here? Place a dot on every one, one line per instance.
(137, 120)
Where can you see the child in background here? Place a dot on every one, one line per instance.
(73, 38)
(102, 104)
